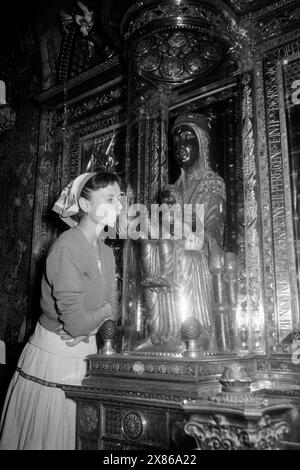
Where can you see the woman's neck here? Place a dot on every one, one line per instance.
(89, 230)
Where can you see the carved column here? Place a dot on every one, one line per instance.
(254, 321)
(47, 180)
(276, 67)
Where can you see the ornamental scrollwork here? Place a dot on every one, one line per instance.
(215, 435)
(220, 434)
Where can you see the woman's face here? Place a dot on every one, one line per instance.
(105, 205)
(186, 146)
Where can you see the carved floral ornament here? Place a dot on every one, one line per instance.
(133, 425)
(179, 41)
(177, 55)
(88, 418)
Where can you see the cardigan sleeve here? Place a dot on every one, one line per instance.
(64, 273)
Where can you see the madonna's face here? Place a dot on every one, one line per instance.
(186, 146)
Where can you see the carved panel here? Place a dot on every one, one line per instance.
(88, 417)
(177, 55)
(103, 150)
(113, 422)
(99, 129)
(92, 103)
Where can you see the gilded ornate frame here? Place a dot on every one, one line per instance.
(281, 296)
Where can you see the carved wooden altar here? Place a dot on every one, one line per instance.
(245, 75)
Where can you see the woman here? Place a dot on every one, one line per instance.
(78, 295)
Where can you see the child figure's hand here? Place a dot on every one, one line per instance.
(193, 243)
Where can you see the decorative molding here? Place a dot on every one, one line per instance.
(289, 392)
(257, 12)
(284, 45)
(94, 104)
(74, 87)
(149, 368)
(164, 369)
(137, 18)
(197, 102)
(284, 365)
(118, 393)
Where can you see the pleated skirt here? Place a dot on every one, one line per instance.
(36, 414)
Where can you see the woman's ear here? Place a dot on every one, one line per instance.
(84, 204)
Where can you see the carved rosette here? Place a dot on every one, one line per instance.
(133, 425)
(175, 43)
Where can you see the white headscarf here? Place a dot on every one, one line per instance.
(67, 204)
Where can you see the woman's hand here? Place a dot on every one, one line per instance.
(65, 336)
(108, 313)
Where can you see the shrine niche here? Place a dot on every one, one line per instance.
(161, 64)
(222, 73)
